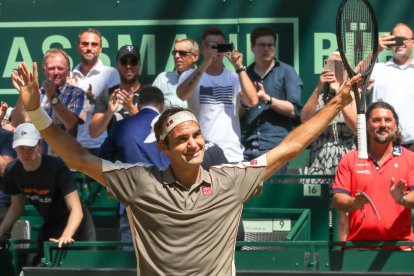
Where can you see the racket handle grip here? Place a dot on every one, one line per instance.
(362, 137)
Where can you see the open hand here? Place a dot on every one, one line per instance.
(397, 190)
(27, 84)
(62, 240)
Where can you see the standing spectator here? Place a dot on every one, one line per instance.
(394, 79)
(47, 183)
(279, 90)
(65, 103)
(338, 138)
(93, 77)
(387, 177)
(213, 94)
(185, 55)
(120, 101)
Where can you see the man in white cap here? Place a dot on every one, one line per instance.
(184, 218)
(47, 183)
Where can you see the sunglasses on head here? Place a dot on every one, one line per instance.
(125, 62)
(180, 52)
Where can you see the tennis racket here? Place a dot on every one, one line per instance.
(357, 37)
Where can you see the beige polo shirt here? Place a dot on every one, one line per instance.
(180, 231)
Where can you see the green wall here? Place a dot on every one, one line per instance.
(305, 29)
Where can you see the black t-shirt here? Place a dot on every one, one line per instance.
(101, 105)
(45, 188)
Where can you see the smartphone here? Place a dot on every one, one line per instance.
(337, 67)
(399, 41)
(225, 47)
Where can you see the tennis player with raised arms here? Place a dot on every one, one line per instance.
(184, 219)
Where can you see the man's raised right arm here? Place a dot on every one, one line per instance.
(189, 85)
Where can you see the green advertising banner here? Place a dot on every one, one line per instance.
(305, 30)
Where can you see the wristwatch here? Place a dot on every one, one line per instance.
(241, 69)
(269, 101)
(54, 101)
(403, 200)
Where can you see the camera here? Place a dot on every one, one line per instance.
(399, 41)
(224, 47)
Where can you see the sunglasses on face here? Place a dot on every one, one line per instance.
(182, 53)
(125, 62)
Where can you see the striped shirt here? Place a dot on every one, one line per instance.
(74, 99)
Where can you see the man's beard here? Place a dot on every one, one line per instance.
(129, 80)
(385, 138)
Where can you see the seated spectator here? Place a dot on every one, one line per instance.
(47, 183)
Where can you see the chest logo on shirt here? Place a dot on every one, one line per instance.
(216, 95)
(363, 172)
(396, 165)
(207, 191)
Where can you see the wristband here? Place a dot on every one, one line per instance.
(39, 118)
(241, 69)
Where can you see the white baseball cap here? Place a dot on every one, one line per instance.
(26, 135)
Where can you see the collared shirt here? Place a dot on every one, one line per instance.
(263, 128)
(74, 99)
(180, 230)
(101, 77)
(354, 175)
(394, 84)
(167, 82)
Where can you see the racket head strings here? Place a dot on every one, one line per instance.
(357, 36)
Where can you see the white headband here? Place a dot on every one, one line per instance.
(174, 120)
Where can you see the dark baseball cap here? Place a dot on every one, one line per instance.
(128, 50)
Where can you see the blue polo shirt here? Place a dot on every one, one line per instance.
(261, 127)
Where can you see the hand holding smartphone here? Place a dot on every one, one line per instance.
(399, 41)
(337, 67)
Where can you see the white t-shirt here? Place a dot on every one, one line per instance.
(215, 103)
(101, 77)
(394, 84)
